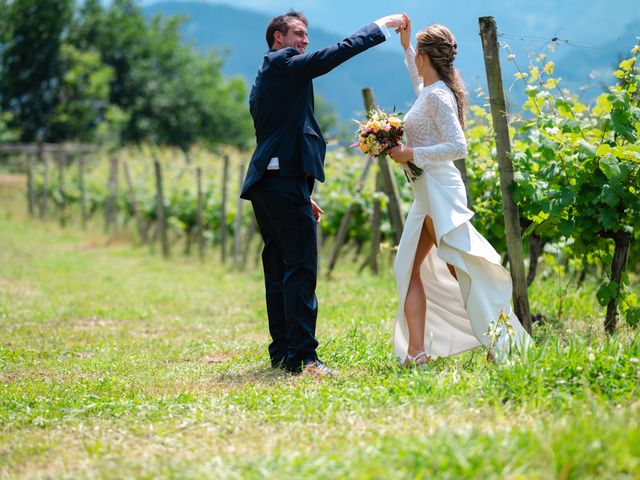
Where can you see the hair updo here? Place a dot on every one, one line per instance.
(439, 44)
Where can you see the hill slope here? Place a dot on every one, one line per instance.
(238, 35)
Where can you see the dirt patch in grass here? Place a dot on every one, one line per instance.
(92, 241)
(217, 358)
(48, 377)
(91, 323)
(12, 180)
(17, 288)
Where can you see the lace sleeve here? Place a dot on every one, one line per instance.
(410, 62)
(441, 110)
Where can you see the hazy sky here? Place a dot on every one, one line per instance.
(343, 17)
(528, 25)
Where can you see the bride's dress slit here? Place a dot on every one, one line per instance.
(464, 286)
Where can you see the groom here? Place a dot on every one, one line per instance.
(288, 158)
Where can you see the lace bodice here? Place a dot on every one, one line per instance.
(431, 125)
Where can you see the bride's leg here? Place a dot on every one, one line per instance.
(432, 233)
(452, 271)
(415, 305)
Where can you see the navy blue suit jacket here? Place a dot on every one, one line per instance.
(281, 104)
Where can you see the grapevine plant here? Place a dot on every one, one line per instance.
(576, 184)
(578, 174)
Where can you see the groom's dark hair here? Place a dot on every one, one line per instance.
(281, 24)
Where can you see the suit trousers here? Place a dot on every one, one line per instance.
(282, 207)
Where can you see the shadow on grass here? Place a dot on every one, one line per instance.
(258, 373)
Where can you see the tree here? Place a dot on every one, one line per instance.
(325, 115)
(83, 95)
(30, 62)
(171, 94)
(225, 115)
(7, 134)
(4, 30)
(88, 26)
(75, 75)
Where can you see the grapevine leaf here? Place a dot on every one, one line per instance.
(627, 65)
(607, 292)
(540, 217)
(586, 148)
(608, 218)
(563, 106)
(610, 167)
(609, 196)
(623, 126)
(633, 316)
(603, 149)
(551, 83)
(567, 228)
(548, 68)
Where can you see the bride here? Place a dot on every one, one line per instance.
(451, 284)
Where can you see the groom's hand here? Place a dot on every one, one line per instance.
(316, 211)
(396, 21)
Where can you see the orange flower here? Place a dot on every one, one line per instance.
(395, 122)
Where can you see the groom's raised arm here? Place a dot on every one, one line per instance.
(323, 61)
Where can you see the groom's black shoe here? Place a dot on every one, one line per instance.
(315, 368)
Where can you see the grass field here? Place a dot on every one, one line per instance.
(117, 364)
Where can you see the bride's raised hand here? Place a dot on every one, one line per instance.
(405, 33)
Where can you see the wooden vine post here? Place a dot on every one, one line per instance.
(488, 34)
(42, 158)
(62, 163)
(386, 181)
(160, 211)
(31, 192)
(111, 206)
(84, 214)
(237, 228)
(142, 232)
(200, 214)
(223, 211)
(341, 236)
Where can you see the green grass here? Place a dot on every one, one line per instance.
(115, 364)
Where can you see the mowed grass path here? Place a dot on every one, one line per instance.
(117, 364)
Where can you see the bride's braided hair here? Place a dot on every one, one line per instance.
(439, 44)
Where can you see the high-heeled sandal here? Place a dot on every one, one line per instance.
(419, 361)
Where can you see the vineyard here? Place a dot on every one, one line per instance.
(132, 314)
(576, 187)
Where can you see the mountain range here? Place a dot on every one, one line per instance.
(237, 34)
(239, 37)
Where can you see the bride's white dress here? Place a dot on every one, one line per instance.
(459, 313)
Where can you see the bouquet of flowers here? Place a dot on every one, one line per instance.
(380, 132)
